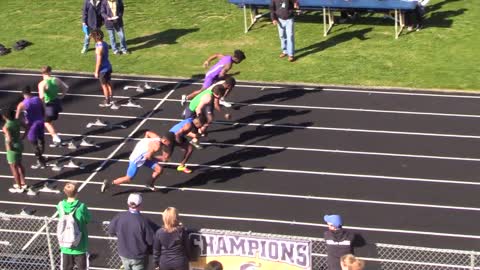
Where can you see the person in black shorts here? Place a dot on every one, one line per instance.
(51, 90)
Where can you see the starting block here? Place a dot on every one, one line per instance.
(86, 143)
(131, 104)
(142, 88)
(72, 145)
(55, 166)
(97, 123)
(100, 123)
(72, 164)
(47, 189)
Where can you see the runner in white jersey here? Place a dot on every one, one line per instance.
(143, 155)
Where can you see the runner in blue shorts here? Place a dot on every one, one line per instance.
(143, 155)
(186, 128)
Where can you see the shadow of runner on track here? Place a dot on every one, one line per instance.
(168, 36)
(289, 93)
(332, 42)
(271, 116)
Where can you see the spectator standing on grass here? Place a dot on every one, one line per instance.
(91, 20)
(338, 241)
(134, 233)
(112, 13)
(414, 18)
(171, 248)
(76, 255)
(282, 13)
(350, 262)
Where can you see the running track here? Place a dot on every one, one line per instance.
(401, 167)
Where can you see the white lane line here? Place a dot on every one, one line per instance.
(264, 86)
(99, 168)
(324, 173)
(295, 106)
(375, 131)
(268, 194)
(322, 150)
(263, 220)
(179, 81)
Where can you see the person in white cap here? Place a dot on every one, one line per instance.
(134, 234)
(338, 241)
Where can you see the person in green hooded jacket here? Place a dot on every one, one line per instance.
(77, 255)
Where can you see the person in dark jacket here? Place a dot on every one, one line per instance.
(339, 241)
(112, 13)
(171, 247)
(134, 233)
(91, 20)
(281, 13)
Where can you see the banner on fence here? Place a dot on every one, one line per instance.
(251, 252)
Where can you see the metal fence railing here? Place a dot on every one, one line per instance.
(29, 242)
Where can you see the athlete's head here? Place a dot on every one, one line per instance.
(169, 141)
(70, 189)
(97, 35)
(230, 82)
(8, 114)
(199, 121)
(218, 91)
(46, 70)
(26, 91)
(214, 265)
(238, 56)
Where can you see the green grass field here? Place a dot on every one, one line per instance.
(173, 38)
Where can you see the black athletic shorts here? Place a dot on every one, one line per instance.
(105, 77)
(52, 109)
(208, 109)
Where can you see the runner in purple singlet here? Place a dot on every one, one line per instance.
(216, 73)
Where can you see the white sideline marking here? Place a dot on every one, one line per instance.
(323, 150)
(277, 221)
(262, 87)
(376, 131)
(267, 194)
(295, 106)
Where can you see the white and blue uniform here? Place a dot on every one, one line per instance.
(137, 157)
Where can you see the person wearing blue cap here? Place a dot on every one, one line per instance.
(339, 241)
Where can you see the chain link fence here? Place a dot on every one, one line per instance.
(29, 242)
(26, 243)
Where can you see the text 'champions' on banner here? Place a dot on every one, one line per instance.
(251, 252)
